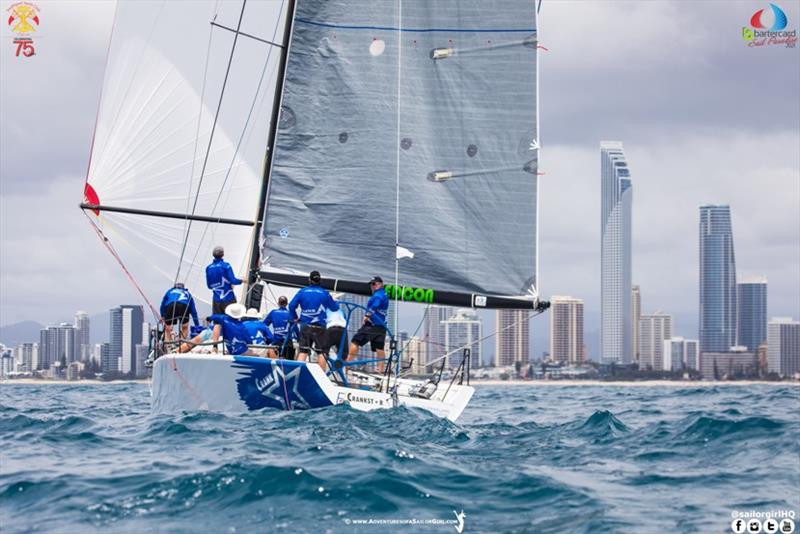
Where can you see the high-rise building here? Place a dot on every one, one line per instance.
(415, 353)
(733, 363)
(783, 346)
(142, 351)
(125, 332)
(512, 338)
(691, 353)
(56, 343)
(654, 329)
(616, 324)
(636, 315)
(751, 326)
(462, 330)
(679, 354)
(107, 363)
(28, 356)
(434, 333)
(83, 346)
(566, 330)
(717, 325)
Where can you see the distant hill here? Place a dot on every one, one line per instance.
(12, 335)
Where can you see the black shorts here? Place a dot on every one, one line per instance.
(219, 307)
(334, 336)
(376, 335)
(312, 335)
(176, 313)
(286, 350)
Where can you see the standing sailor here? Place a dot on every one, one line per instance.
(314, 303)
(220, 280)
(280, 319)
(176, 306)
(374, 327)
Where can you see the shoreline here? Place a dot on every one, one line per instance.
(43, 381)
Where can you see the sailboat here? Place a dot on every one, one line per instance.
(353, 138)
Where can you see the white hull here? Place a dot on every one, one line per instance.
(223, 383)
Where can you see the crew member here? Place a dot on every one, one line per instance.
(232, 329)
(313, 301)
(280, 319)
(336, 330)
(374, 327)
(176, 306)
(258, 331)
(220, 280)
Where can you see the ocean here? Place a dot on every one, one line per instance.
(528, 458)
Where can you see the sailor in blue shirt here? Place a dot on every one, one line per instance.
(259, 333)
(374, 327)
(280, 319)
(233, 331)
(314, 303)
(176, 306)
(220, 280)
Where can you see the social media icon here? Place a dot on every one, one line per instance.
(787, 526)
(754, 526)
(738, 526)
(770, 526)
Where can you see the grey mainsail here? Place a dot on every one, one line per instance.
(410, 124)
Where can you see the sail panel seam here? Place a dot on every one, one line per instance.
(415, 30)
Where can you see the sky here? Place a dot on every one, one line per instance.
(704, 119)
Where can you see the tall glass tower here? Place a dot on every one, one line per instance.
(717, 280)
(752, 303)
(616, 326)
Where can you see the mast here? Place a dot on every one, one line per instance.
(255, 252)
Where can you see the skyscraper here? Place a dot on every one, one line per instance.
(566, 330)
(462, 330)
(717, 324)
(434, 332)
(654, 329)
(125, 332)
(513, 342)
(56, 343)
(783, 346)
(83, 347)
(636, 315)
(751, 327)
(616, 326)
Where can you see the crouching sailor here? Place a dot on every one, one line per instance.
(280, 320)
(176, 306)
(232, 329)
(258, 332)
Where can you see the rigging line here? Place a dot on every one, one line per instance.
(484, 338)
(211, 136)
(241, 139)
(248, 35)
(113, 252)
(197, 139)
(397, 160)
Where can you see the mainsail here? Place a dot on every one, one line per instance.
(178, 153)
(409, 128)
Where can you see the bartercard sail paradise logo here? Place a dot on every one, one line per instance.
(768, 27)
(23, 20)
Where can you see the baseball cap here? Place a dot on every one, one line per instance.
(314, 275)
(376, 279)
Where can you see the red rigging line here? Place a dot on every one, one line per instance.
(113, 252)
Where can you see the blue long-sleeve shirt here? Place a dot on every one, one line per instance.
(220, 280)
(258, 331)
(280, 319)
(182, 295)
(314, 303)
(378, 307)
(234, 333)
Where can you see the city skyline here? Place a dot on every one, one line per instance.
(690, 150)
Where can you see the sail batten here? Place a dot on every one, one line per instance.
(384, 142)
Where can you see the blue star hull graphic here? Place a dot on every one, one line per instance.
(284, 384)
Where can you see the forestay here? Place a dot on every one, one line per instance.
(410, 124)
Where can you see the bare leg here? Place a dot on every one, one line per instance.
(302, 356)
(184, 330)
(353, 350)
(321, 362)
(215, 335)
(380, 354)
